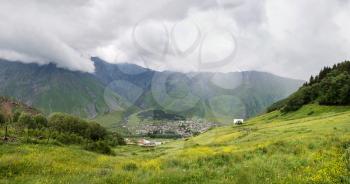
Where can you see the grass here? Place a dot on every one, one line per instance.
(300, 147)
(112, 121)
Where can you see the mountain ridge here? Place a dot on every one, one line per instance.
(125, 87)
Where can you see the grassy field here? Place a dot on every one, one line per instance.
(311, 145)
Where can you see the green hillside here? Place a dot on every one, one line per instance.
(130, 88)
(113, 121)
(51, 89)
(330, 87)
(310, 145)
(218, 96)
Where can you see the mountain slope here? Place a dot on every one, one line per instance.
(213, 96)
(130, 88)
(273, 148)
(52, 89)
(330, 87)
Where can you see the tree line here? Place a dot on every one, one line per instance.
(330, 87)
(59, 128)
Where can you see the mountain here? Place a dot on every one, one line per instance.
(208, 95)
(330, 87)
(52, 89)
(131, 89)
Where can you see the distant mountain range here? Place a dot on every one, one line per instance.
(131, 88)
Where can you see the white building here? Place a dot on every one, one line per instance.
(238, 121)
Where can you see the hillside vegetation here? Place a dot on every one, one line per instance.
(21, 124)
(330, 87)
(9, 106)
(310, 145)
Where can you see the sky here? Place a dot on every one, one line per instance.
(288, 38)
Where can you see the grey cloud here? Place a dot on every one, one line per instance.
(293, 38)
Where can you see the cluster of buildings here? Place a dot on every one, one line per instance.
(177, 128)
(147, 143)
(181, 129)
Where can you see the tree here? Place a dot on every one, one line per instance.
(40, 121)
(3, 122)
(96, 132)
(16, 116)
(2, 119)
(26, 120)
(330, 87)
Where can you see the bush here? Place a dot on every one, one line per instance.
(69, 139)
(277, 105)
(40, 134)
(130, 167)
(99, 147)
(26, 120)
(2, 119)
(40, 121)
(68, 124)
(73, 125)
(298, 99)
(16, 116)
(96, 132)
(115, 140)
(347, 158)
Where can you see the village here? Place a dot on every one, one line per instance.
(169, 129)
(181, 129)
(155, 131)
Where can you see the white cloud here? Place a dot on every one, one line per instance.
(289, 38)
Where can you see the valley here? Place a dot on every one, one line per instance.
(309, 143)
(174, 92)
(272, 148)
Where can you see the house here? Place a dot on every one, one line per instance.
(151, 144)
(147, 143)
(143, 142)
(238, 121)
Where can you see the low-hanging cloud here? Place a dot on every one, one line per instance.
(294, 38)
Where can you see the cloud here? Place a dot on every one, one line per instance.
(293, 39)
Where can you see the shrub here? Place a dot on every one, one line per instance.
(347, 158)
(115, 140)
(26, 120)
(277, 105)
(73, 125)
(69, 138)
(40, 121)
(130, 167)
(310, 113)
(96, 132)
(2, 119)
(16, 116)
(99, 147)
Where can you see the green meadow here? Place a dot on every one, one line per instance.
(311, 145)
